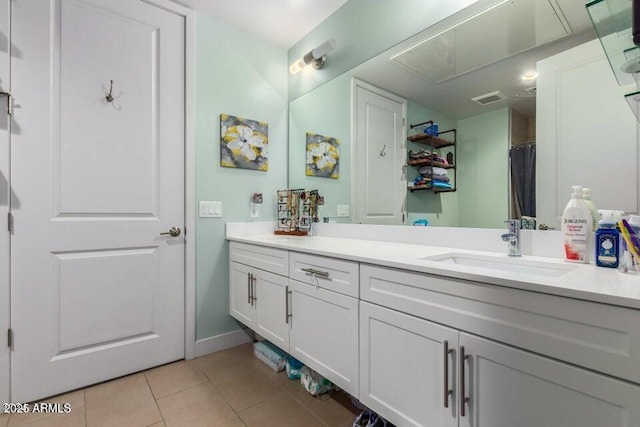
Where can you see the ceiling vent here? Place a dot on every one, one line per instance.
(489, 98)
(526, 93)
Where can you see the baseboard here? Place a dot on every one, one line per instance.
(223, 341)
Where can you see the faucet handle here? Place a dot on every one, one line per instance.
(513, 222)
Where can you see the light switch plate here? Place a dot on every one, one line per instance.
(342, 210)
(210, 209)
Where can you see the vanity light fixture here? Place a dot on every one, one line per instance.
(530, 75)
(316, 57)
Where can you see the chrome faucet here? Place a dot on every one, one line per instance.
(513, 237)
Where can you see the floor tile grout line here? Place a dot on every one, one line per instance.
(237, 412)
(179, 391)
(306, 407)
(86, 416)
(155, 401)
(173, 392)
(225, 399)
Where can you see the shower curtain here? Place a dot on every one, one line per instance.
(523, 178)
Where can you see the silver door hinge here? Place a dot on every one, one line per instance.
(9, 101)
(10, 222)
(10, 338)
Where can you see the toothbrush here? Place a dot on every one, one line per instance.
(629, 238)
(632, 234)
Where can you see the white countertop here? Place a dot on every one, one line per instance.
(583, 281)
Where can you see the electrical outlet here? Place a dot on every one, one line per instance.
(342, 210)
(254, 210)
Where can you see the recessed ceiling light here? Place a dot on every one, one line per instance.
(531, 75)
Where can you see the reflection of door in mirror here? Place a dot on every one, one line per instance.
(380, 183)
(586, 134)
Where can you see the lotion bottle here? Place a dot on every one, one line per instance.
(586, 196)
(577, 228)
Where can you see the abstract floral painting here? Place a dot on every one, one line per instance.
(323, 156)
(243, 143)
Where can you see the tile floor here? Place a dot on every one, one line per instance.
(228, 388)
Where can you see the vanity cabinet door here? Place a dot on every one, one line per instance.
(269, 291)
(508, 387)
(404, 368)
(324, 333)
(241, 305)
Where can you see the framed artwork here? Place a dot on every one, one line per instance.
(323, 156)
(243, 143)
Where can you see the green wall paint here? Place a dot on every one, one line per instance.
(237, 74)
(483, 170)
(363, 29)
(325, 111)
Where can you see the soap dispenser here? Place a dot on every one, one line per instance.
(607, 241)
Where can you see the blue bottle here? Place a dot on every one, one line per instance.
(607, 242)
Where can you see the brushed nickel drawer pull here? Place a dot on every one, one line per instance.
(254, 288)
(447, 391)
(463, 399)
(248, 288)
(316, 272)
(287, 292)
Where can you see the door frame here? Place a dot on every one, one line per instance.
(189, 190)
(189, 173)
(5, 260)
(355, 83)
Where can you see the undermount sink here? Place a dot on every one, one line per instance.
(504, 263)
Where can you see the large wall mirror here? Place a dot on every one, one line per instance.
(435, 76)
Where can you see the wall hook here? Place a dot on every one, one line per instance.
(109, 96)
(382, 153)
(110, 99)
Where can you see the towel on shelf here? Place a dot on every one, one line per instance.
(440, 184)
(441, 178)
(432, 170)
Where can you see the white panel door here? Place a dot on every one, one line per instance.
(380, 181)
(586, 134)
(4, 200)
(404, 367)
(324, 333)
(97, 291)
(507, 387)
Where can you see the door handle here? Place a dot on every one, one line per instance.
(248, 288)
(447, 391)
(9, 102)
(463, 399)
(173, 232)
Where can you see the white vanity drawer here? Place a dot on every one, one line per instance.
(268, 259)
(598, 336)
(328, 273)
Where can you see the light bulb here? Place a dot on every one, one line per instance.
(297, 66)
(314, 56)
